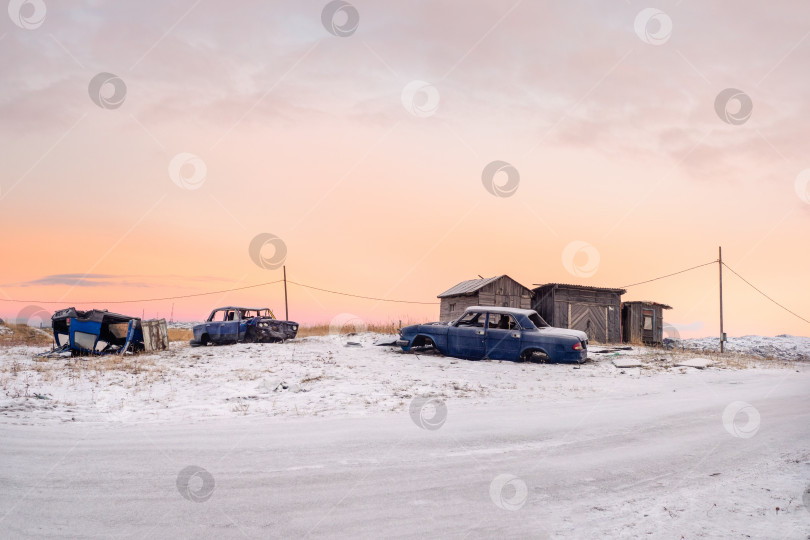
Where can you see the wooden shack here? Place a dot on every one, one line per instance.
(643, 322)
(594, 310)
(495, 291)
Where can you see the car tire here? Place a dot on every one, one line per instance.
(536, 357)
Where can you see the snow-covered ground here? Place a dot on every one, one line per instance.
(315, 376)
(783, 347)
(314, 438)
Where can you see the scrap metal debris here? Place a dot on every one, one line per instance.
(101, 332)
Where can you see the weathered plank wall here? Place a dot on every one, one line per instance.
(594, 311)
(504, 292)
(633, 323)
(458, 304)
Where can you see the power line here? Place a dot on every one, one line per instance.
(670, 275)
(144, 300)
(363, 297)
(140, 300)
(765, 295)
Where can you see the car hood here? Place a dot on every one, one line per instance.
(563, 332)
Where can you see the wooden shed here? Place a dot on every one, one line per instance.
(643, 322)
(594, 310)
(495, 291)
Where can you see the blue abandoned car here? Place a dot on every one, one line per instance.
(98, 331)
(498, 333)
(242, 325)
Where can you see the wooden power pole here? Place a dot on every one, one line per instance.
(720, 264)
(287, 313)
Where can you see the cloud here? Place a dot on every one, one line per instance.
(84, 280)
(112, 280)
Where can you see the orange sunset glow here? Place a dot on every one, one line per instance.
(146, 145)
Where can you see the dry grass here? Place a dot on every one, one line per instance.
(22, 334)
(180, 334)
(731, 360)
(378, 328)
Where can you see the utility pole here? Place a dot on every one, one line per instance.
(286, 311)
(720, 264)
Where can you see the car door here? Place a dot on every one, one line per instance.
(467, 337)
(214, 325)
(229, 331)
(503, 335)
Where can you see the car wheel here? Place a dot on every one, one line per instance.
(537, 357)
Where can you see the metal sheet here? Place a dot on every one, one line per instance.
(155, 335)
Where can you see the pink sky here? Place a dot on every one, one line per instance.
(377, 190)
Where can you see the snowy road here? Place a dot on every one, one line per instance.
(662, 465)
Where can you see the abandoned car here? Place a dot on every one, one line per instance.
(240, 324)
(498, 333)
(98, 331)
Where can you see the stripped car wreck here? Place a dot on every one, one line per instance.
(498, 333)
(232, 324)
(101, 332)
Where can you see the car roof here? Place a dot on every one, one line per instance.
(240, 307)
(504, 310)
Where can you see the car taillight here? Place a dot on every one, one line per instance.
(577, 346)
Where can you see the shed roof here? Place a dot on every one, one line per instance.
(580, 287)
(648, 302)
(472, 285)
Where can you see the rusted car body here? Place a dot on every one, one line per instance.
(235, 324)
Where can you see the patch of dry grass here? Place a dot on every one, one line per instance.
(731, 360)
(391, 327)
(22, 334)
(180, 334)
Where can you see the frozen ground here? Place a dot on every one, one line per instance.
(782, 347)
(96, 447)
(316, 376)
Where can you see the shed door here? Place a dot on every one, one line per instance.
(647, 325)
(593, 320)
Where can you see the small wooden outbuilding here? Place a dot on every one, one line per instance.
(643, 322)
(500, 291)
(594, 310)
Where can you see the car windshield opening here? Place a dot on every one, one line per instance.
(538, 321)
(471, 319)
